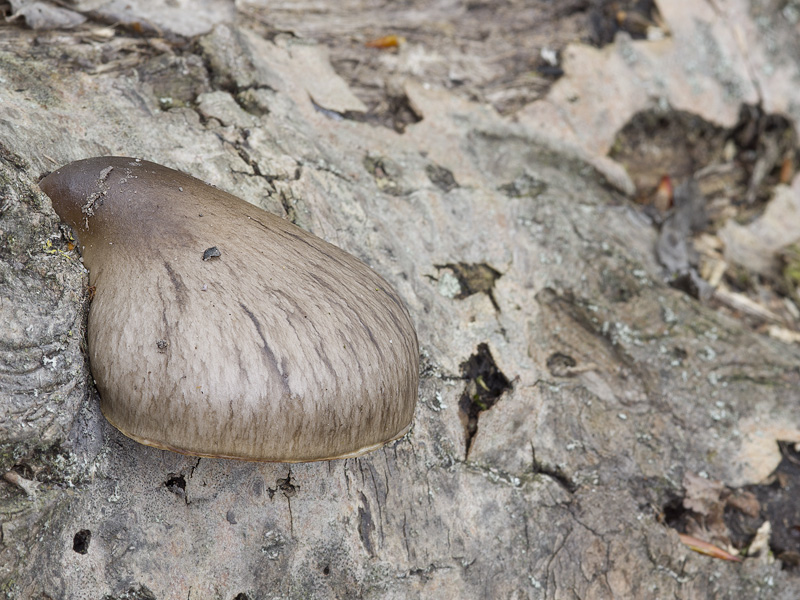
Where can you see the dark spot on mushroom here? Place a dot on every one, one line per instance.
(162, 345)
(177, 283)
(212, 252)
(80, 542)
(231, 517)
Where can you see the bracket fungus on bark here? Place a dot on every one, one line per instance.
(281, 348)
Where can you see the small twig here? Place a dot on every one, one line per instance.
(26, 485)
(703, 547)
(785, 335)
(742, 303)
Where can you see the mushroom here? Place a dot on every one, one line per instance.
(282, 347)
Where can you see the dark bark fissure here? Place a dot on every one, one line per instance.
(176, 483)
(485, 384)
(474, 278)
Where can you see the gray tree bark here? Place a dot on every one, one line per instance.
(617, 385)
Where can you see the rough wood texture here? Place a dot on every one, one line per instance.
(502, 244)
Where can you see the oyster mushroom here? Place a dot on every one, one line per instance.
(281, 348)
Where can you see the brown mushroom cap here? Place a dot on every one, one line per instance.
(218, 329)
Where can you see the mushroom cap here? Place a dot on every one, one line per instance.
(277, 346)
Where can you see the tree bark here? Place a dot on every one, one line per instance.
(528, 274)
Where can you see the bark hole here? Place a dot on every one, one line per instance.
(177, 485)
(474, 279)
(441, 177)
(561, 365)
(80, 543)
(485, 384)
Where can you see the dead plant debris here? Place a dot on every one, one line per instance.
(726, 202)
(754, 521)
(639, 18)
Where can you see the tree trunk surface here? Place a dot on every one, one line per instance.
(566, 390)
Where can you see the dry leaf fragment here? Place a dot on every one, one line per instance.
(745, 502)
(708, 549)
(787, 169)
(756, 245)
(785, 335)
(387, 41)
(43, 15)
(662, 197)
(702, 495)
(760, 543)
(674, 247)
